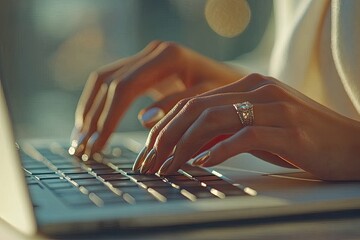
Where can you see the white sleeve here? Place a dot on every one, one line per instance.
(345, 38)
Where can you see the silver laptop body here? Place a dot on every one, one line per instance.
(31, 206)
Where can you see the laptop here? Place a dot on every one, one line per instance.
(45, 190)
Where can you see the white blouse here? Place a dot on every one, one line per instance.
(314, 46)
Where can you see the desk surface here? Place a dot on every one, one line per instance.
(347, 227)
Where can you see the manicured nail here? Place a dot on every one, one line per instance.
(163, 169)
(77, 145)
(152, 115)
(85, 157)
(146, 165)
(201, 158)
(139, 159)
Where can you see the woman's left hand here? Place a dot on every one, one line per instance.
(289, 129)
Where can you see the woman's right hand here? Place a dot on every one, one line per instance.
(170, 70)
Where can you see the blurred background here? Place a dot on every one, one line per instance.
(48, 48)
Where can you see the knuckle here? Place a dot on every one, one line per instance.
(171, 48)
(94, 78)
(181, 104)
(163, 140)
(256, 79)
(116, 87)
(154, 131)
(154, 43)
(193, 104)
(153, 134)
(273, 91)
(256, 76)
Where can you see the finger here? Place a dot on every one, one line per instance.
(152, 114)
(96, 80)
(166, 134)
(252, 138)
(159, 64)
(255, 88)
(89, 126)
(212, 122)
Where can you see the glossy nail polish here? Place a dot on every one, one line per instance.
(77, 145)
(163, 169)
(139, 159)
(201, 158)
(152, 115)
(148, 162)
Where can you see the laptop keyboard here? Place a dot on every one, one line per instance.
(110, 180)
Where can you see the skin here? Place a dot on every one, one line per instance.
(289, 129)
(110, 90)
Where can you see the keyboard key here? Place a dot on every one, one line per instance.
(169, 193)
(209, 178)
(48, 176)
(73, 170)
(109, 177)
(229, 190)
(123, 183)
(105, 171)
(43, 170)
(57, 183)
(177, 178)
(195, 171)
(187, 183)
(145, 178)
(62, 166)
(89, 182)
(33, 164)
(139, 194)
(77, 176)
(77, 200)
(97, 188)
(200, 192)
(158, 183)
(110, 197)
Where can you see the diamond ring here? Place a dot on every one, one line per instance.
(245, 112)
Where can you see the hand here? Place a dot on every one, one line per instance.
(110, 90)
(289, 129)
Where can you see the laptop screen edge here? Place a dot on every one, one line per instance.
(15, 207)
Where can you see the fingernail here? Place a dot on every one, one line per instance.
(139, 159)
(90, 144)
(152, 115)
(146, 165)
(201, 158)
(85, 157)
(163, 169)
(77, 145)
